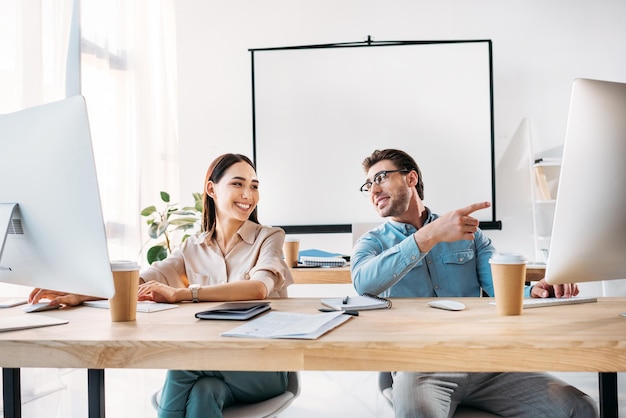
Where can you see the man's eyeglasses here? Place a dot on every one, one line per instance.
(380, 178)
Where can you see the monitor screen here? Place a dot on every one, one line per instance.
(51, 226)
(589, 230)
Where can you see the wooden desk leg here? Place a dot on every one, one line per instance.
(11, 393)
(95, 393)
(608, 395)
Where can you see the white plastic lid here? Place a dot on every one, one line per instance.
(124, 265)
(291, 239)
(508, 258)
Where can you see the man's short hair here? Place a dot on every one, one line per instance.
(401, 160)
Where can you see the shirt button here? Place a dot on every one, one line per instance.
(413, 257)
(460, 258)
(247, 276)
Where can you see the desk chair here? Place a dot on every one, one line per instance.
(269, 408)
(385, 382)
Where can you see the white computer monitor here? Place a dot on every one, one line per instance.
(589, 231)
(52, 233)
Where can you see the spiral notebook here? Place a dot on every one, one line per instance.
(319, 258)
(357, 303)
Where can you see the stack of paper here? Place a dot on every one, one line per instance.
(289, 325)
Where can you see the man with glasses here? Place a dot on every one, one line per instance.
(417, 253)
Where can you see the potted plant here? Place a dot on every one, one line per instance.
(173, 224)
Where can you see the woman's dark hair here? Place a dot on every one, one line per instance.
(215, 172)
(401, 160)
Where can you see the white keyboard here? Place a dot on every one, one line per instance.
(541, 302)
(142, 306)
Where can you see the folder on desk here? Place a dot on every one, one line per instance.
(238, 311)
(27, 321)
(11, 302)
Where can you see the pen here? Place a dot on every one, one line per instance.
(353, 313)
(346, 300)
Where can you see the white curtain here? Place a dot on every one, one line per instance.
(33, 57)
(33, 52)
(127, 74)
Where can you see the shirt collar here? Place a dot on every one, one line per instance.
(247, 231)
(408, 229)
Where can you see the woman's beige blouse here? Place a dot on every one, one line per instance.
(256, 256)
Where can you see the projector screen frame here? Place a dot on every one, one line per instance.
(322, 228)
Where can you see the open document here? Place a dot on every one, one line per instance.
(289, 325)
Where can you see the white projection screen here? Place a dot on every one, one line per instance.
(318, 111)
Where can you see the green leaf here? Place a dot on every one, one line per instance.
(170, 218)
(156, 253)
(187, 210)
(198, 202)
(156, 229)
(162, 228)
(148, 211)
(183, 221)
(185, 227)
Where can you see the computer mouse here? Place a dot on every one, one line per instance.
(40, 307)
(449, 305)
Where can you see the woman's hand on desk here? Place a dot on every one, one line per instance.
(543, 289)
(58, 298)
(159, 292)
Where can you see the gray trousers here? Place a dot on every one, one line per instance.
(527, 395)
(195, 394)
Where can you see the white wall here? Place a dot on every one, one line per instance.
(539, 47)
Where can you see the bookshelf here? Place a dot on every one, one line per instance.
(546, 172)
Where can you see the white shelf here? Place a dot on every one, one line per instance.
(545, 175)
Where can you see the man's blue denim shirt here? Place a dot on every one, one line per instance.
(387, 262)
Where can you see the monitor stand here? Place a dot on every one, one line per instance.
(6, 214)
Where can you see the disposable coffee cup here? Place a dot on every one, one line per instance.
(123, 304)
(508, 271)
(291, 250)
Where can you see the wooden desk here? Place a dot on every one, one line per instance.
(410, 336)
(321, 275)
(341, 275)
(535, 273)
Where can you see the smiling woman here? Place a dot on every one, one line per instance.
(232, 258)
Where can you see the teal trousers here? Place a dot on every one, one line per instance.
(196, 394)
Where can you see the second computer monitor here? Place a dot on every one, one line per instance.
(589, 231)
